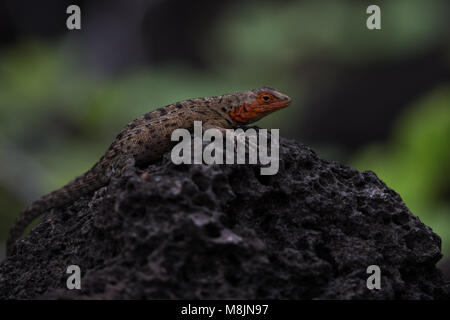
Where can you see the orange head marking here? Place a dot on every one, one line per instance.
(257, 104)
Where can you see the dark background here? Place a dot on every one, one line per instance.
(373, 99)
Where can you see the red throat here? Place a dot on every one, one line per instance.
(243, 114)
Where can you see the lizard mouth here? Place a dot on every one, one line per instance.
(264, 109)
(277, 105)
(247, 113)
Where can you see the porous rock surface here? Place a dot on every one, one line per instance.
(225, 231)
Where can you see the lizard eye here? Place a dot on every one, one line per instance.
(266, 98)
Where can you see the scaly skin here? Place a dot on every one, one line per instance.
(147, 138)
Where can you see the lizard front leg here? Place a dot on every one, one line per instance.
(249, 141)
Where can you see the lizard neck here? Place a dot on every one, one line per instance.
(223, 106)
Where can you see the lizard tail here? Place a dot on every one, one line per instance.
(74, 189)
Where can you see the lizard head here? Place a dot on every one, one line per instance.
(254, 104)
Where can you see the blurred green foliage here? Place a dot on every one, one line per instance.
(251, 36)
(416, 161)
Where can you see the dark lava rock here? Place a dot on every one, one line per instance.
(225, 231)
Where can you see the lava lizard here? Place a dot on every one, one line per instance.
(148, 137)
